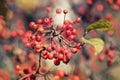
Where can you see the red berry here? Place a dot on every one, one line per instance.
(58, 10)
(39, 21)
(17, 68)
(44, 56)
(82, 10)
(13, 34)
(111, 55)
(44, 52)
(51, 20)
(118, 2)
(112, 47)
(69, 55)
(78, 20)
(74, 50)
(109, 63)
(60, 73)
(68, 32)
(49, 48)
(101, 57)
(48, 9)
(110, 2)
(28, 45)
(56, 78)
(47, 21)
(38, 38)
(31, 24)
(74, 32)
(60, 27)
(34, 26)
(37, 46)
(41, 30)
(56, 62)
(116, 7)
(89, 2)
(65, 60)
(50, 56)
(99, 7)
(60, 56)
(31, 55)
(71, 37)
(33, 37)
(55, 55)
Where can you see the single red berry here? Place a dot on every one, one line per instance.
(69, 27)
(78, 20)
(109, 63)
(60, 56)
(51, 19)
(74, 50)
(118, 2)
(33, 37)
(17, 68)
(68, 32)
(47, 21)
(49, 48)
(82, 10)
(48, 9)
(65, 60)
(74, 31)
(34, 26)
(44, 56)
(44, 52)
(56, 62)
(71, 37)
(37, 46)
(89, 2)
(13, 34)
(101, 57)
(39, 21)
(41, 30)
(58, 10)
(116, 7)
(78, 45)
(31, 55)
(56, 78)
(38, 38)
(31, 24)
(60, 27)
(50, 56)
(28, 45)
(111, 55)
(110, 2)
(69, 55)
(55, 55)
(99, 7)
(60, 73)
(112, 47)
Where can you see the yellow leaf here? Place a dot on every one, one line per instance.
(97, 43)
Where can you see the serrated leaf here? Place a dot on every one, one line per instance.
(97, 43)
(102, 25)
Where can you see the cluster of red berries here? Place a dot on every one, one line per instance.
(61, 44)
(109, 55)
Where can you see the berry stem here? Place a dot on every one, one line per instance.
(39, 65)
(64, 18)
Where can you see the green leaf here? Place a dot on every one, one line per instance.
(97, 43)
(102, 25)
